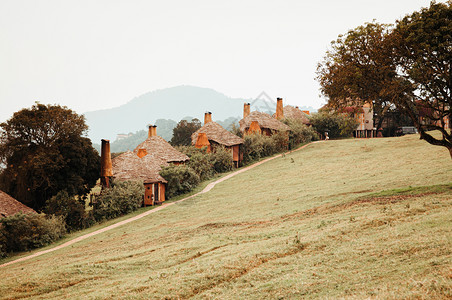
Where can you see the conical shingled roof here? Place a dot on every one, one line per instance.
(10, 206)
(128, 166)
(215, 132)
(291, 112)
(158, 147)
(264, 120)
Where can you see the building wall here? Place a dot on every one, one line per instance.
(149, 191)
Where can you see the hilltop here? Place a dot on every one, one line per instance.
(354, 218)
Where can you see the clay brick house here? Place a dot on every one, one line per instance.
(212, 135)
(10, 206)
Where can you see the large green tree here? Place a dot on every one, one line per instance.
(405, 66)
(183, 131)
(45, 151)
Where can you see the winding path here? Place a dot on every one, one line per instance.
(163, 206)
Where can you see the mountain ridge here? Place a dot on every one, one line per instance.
(173, 103)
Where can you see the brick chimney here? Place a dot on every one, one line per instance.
(142, 153)
(106, 168)
(202, 141)
(254, 128)
(246, 110)
(152, 131)
(207, 117)
(279, 109)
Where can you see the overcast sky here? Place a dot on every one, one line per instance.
(97, 54)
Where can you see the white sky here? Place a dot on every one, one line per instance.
(97, 54)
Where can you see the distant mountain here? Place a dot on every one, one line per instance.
(172, 104)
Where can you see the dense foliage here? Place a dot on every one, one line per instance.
(256, 146)
(299, 132)
(45, 152)
(406, 66)
(206, 165)
(183, 131)
(122, 198)
(181, 179)
(336, 125)
(70, 209)
(22, 232)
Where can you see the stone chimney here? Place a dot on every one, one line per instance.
(246, 110)
(152, 131)
(279, 109)
(207, 117)
(106, 168)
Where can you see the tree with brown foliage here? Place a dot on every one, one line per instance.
(406, 66)
(45, 151)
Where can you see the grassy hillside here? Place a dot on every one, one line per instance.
(349, 218)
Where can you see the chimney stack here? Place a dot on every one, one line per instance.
(202, 141)
(106, 168)
(246, 110)
(279, 109)
(152, 131)
(142, 153)
(207, 117)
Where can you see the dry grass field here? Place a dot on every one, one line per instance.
(338, 219)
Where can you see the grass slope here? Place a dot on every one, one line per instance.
(337, 219)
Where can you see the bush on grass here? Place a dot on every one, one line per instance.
(337, 125)
(221, 160)
(71, 210)
(21, 232)
(181, 179)
(122, 198)
(206, 165)
(299, 132)
(257, 146)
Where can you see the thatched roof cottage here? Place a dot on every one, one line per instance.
(10, 206)
(291, 112)
(213, 134)
(158, 147)
(129, 166)
(259, 122)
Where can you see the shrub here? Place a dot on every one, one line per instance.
(256, 146)
(122, 198)
(22, 232)
(181, 179)
(206, 164)
(337, 125)
(280, 142)
(299, 133)
(221, 160)
(72, 211)
(200, 161)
